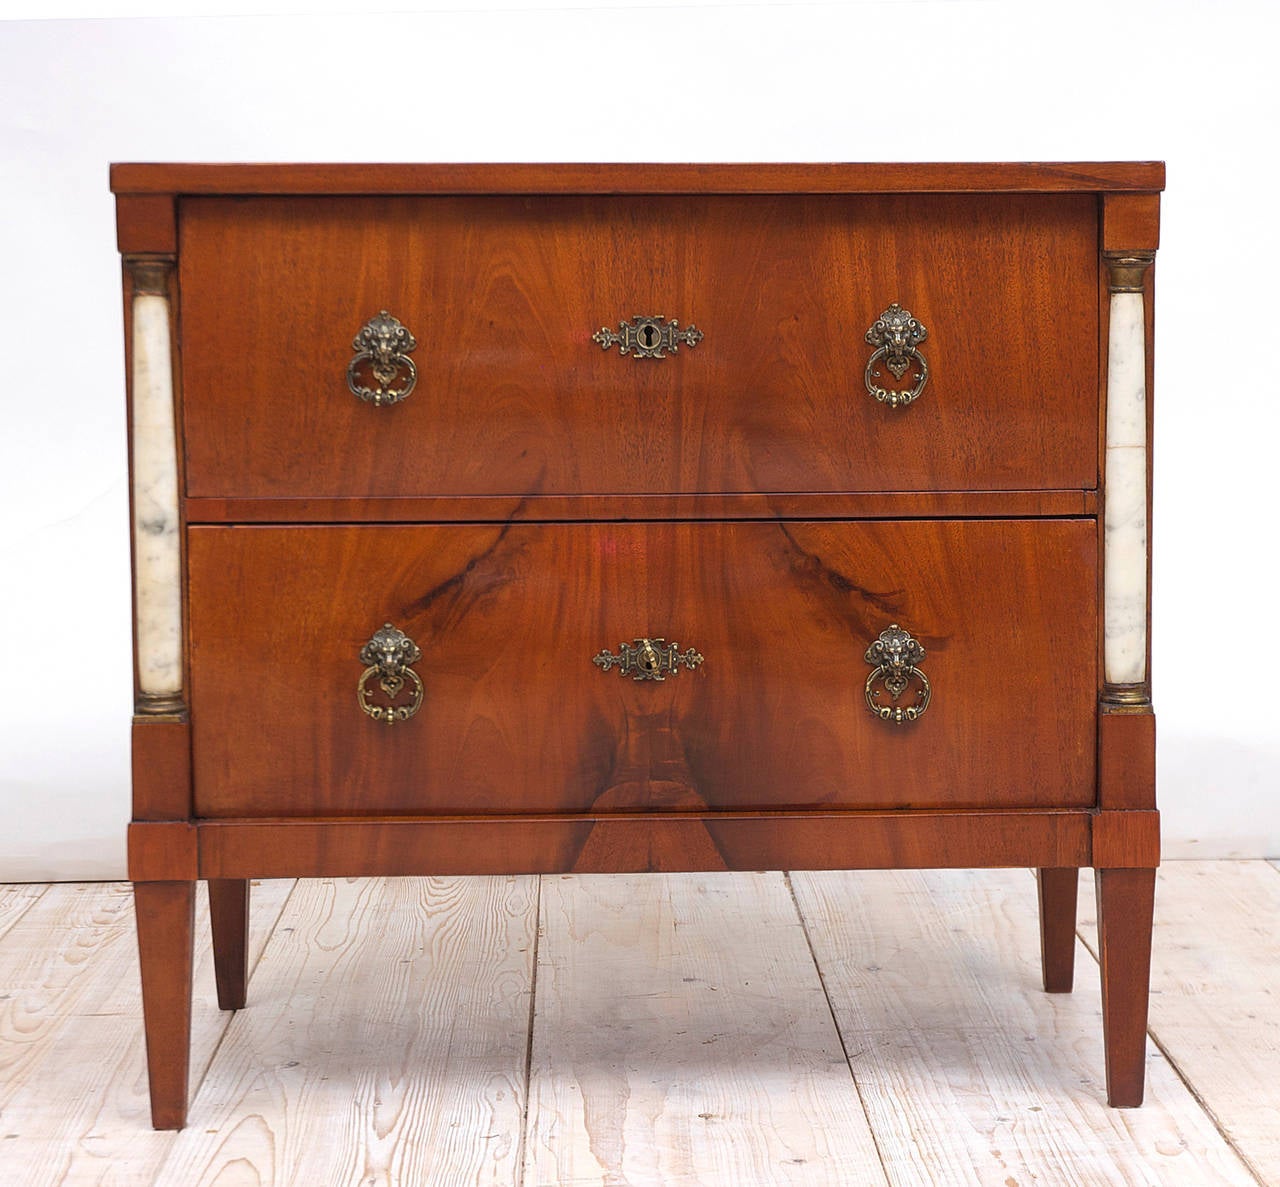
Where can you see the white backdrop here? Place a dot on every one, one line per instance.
(1194, 84)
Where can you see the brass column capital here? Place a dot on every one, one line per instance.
(150, 273)
(1126, 270)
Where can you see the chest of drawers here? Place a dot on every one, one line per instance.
(623, 518)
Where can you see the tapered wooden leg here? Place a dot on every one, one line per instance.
(1058, 889)
(166, 920)
(229, 922)
(1126, 899)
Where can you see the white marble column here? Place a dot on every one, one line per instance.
(157, 570)
(1125, 508)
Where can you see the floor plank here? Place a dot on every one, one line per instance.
(16, 901)
(386, 1043)
(1215, 1002)
(73, 1091)
(682, 1037)
(969, 1072)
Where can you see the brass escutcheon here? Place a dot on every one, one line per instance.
(895, 334)
(389, 654)
(382, 347)
(648, 337)
(895, 655)
(647, 659)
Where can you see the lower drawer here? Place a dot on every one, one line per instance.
(514, 715)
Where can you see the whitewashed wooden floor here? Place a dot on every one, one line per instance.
(853, 1029)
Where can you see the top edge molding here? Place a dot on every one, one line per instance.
(965, 177)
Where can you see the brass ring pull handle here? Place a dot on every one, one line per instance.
(389, 654)
(648, 337)
(895, 335)
(382, 348)
(895, 655)
(647, 659)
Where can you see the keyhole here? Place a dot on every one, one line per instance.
(648, 659)
(649, 335)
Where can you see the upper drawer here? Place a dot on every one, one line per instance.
(512, 396)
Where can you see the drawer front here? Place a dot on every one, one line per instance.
(514, 397)
(515, 717)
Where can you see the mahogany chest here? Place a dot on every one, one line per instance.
(537, 518)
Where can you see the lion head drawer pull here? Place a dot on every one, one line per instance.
(389, 654)
(895, 655)
(647, 659)
(648, 337)
(895, 335)
(382, 349)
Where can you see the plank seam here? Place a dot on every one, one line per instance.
(1245, 1161)
(528, 1047)
(44, 886)
(228, 1016)
(826, 994)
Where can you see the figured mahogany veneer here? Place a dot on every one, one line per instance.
(537, 500)
(508, 619)
(513, 396)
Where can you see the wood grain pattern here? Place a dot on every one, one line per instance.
(387, 1045)
(161, 755)
(1127, 761)
(229, 930)
(682, 1037)
(513, 397)
(15, 902)
(1058, 891)
(166, 921)
(1215, 980)
(147, 223)
(638, 842)
(955, 504)
(517, 718)
(1125, 900)
(537, 500)
(162, 851)
(969, 1073)
(1130, 222)
(458, 178)
(73, 1084)
(1126, 839)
